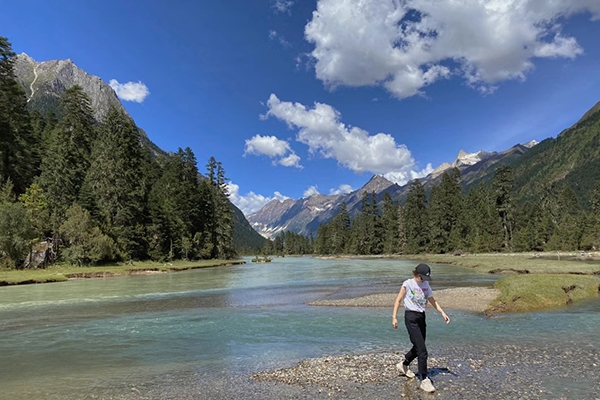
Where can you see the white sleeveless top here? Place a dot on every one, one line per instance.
(416, 295)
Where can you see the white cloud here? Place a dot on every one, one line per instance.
(401, 178)
(251, 202)
(283, 6)
(130, 91)
(343, 188)
(266, 145)
(274, 148)
(282, 40)
(290, 161)
(407, 45)
(310, 191)
(321, 129)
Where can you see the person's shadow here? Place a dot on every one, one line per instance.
(440, 371)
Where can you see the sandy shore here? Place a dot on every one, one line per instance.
(474, 299)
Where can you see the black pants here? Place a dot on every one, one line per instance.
(417, 331)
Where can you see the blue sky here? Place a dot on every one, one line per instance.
(297, 97)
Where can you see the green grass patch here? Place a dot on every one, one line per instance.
(62, 272)
(517, 262)
(538, 291)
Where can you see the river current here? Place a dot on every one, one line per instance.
(78, 338)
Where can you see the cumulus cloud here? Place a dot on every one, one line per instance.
(251, 202)
(401, 178)
(290, 161)
(273, 147)
(310, 191)
(321, 129)
(342, 189)
(406, 45)
(282, 6)
(130, 91)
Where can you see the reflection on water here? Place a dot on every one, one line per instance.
(238, 319)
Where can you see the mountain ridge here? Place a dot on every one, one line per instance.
(295, 214)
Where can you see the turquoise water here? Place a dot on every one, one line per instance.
(64, 337)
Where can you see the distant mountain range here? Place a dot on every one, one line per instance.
(572, 158)
(45, 82)
(305, 215)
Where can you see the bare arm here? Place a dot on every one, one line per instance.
(437, 306)
(399, 298)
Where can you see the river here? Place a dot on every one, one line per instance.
(113, 337)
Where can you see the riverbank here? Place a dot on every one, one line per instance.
(475, 372)
(64, 272)
(476, 299)
(534, 281)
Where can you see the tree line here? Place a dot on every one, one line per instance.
(95, 192)
(488, 218)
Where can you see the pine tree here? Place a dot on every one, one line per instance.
(18, 159)
(416, 218)
(339, 230)
(391, 228)
(503, 190)
(117, 183)
(401, 230)
(484, 231)
(216, 212)
(322, 240)
(445, 213)
(65, 164)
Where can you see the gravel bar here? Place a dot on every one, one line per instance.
(463, 298)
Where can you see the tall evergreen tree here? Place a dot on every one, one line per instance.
(485, 232)
(503, 190)
(322, 241)
(216, 212)
(18, 159)
(116, 181)
(401, 230)
(445, 213)
(65, 163)
(416, 218)
(339, 230)
(391, 226)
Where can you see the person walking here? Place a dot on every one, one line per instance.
(415, 293)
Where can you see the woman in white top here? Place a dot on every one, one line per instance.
(415, 293)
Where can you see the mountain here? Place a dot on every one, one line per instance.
(591, 112)
(45, 82)
(463, 159)
(305, 215)
(572, 158)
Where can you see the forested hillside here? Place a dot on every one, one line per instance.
(489, 218)
(89, 191)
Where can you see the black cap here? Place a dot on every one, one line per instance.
(424, 271)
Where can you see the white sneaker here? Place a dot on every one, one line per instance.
(404, 370)
(427, 386)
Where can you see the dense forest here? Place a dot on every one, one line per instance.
(486, 219)
(87, 191)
